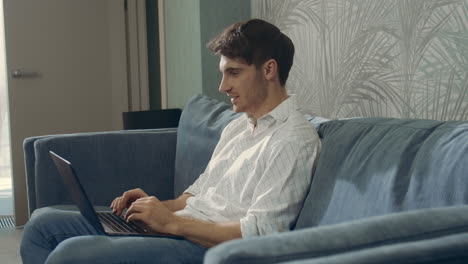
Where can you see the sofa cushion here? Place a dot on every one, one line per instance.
(353, 237)
(447, 250)
(376, 166)
(200, 127)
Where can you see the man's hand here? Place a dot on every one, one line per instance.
(124, 201)
(153, 213)
(159, 218)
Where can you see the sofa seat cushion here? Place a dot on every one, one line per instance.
(376, 166)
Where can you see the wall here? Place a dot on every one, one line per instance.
(388, 58)
(183, 58)
(6, 193)
(154, 78)
(215, 15)
(189, 25)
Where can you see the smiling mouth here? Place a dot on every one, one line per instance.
(234, 99)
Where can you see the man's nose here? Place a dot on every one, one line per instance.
(224, 86)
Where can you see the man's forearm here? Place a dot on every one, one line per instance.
(160, 217)
(177, 204)
(207, 234)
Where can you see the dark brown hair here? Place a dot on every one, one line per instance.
(256, 41)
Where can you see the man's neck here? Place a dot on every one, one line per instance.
(274, 99)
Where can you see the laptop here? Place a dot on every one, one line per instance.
(104, 222)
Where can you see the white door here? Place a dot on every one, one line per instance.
(66, 63)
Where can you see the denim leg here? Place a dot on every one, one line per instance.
(126, 249)
(57, 236)
(48, 227)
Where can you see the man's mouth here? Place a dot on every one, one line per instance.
(234, 99)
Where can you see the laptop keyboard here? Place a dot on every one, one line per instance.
(118, 224)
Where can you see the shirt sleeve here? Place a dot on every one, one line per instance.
(194, 189)
(281, 190)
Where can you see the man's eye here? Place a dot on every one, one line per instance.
(235, 73)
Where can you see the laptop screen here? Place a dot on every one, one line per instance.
(76, 190)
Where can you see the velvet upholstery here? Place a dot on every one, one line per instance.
(352, 236)
(377, 166)
(107, 164)
(384, 190)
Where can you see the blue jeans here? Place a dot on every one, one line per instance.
(60, 236)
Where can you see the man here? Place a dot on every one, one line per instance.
(254, 184)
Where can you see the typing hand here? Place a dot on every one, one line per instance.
(153, 213)
(122, 202)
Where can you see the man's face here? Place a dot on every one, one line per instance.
(244, 84)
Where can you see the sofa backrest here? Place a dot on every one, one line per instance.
(376, 166)
(200, 127)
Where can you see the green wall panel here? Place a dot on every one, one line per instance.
(183, 58)
(215, 15)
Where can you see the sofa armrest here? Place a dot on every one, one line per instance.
(107, 164)
(446, 249)
(345, 238)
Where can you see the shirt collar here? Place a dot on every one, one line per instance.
(280, 112)
(283, 110)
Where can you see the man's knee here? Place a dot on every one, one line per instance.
(104, 249)
(44, 219)
(39, 218)
(48, 216)
(34, 241)
(82, 249)
(43, 227)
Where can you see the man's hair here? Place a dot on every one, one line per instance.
(255, 41)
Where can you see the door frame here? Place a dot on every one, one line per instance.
(129, 80)
(137, 51)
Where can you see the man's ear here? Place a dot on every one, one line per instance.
(270, 69)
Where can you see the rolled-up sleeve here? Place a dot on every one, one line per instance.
(194, 189)
(281, 190)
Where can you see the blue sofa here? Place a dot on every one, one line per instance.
(384, 190)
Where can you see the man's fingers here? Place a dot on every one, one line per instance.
(114, 205)
(142, 205)
(115, 201)
(134, 209)
(135, 217)
(128, 197)
(121, 201)
(126, 200)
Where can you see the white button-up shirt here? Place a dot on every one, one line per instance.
(258, 175)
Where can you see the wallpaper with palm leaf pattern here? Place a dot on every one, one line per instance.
(386, 58)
